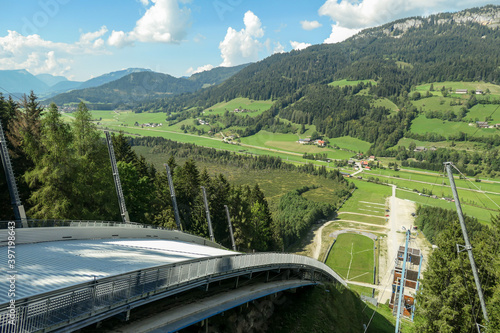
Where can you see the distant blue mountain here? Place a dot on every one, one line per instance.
(51, 80)
(20, 81)
(105, 78)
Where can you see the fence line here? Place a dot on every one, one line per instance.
(60, 308)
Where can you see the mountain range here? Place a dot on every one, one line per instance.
(119, 87)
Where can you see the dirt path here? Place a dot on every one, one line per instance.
(399, 217)
(317, 240)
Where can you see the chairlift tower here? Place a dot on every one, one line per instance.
(116, 177)
(19, 212)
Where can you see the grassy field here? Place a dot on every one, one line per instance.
(352, 257)
(375, 219)
(350, 143)
(343, 83)
(494, 89)
(481, 111)
(460, 145)
(288, 142)
(422, 125)
(255, 107)
(483, 215)
(439, 103)
(367, 194)
(386, 103)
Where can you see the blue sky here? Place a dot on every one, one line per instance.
(81, 39)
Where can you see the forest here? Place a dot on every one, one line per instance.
(448, 300)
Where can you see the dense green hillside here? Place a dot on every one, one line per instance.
(435, 49)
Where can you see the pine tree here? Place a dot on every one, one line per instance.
(54, 170)
(93, 182)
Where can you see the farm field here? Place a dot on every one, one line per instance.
(255, 107)
(459, 145)
(482, 111)
(422, 125)
(494, 89)
(352, 257)
(288, 142)
(439, 103)
(350, 143)
(280, 145)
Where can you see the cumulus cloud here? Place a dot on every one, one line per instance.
(355, 14)
(310, 25)
(278, 48)
(119, 39)
(164, 22)
(299, 45)
(200, 69)
(339, 34)
(38, 55)
(242, 46)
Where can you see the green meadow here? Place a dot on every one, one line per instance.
(422, 125)
(352, 257)
(255, 107)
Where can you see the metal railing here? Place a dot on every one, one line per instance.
(34, 223)
(57, 309)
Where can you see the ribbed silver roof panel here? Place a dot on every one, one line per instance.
(48, 266)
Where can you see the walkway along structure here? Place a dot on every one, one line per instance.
(50, 297)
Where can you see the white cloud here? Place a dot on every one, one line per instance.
(200, 69)
(339, 34)
(119, 39)
(91, 36)
(278, 48)
(299, 45)
(242, 46)
(37, 55)
(357, 14)
(163, 22)
(310, 25)
(144, 2)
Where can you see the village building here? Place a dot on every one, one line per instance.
(482, 124)
(304, 141)
(461, 91)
